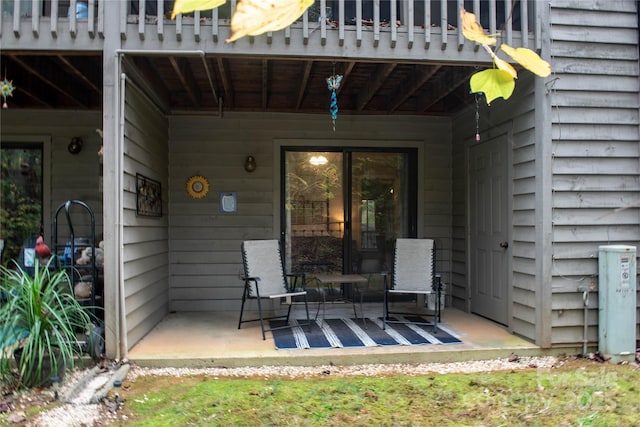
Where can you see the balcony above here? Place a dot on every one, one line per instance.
(394, 54)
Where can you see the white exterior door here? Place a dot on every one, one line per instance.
(489, 242)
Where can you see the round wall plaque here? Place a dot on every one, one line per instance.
(197, 186)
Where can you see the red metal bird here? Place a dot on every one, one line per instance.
(42, 250)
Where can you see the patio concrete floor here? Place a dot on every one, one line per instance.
(206, 339)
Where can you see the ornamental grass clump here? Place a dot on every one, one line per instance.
(39, 323)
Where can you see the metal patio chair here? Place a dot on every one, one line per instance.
(264, 278)
(413, 274)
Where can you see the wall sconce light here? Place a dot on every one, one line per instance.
(75, 146)
(250, 164)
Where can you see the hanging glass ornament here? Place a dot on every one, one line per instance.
(333, 84)
(6, 88)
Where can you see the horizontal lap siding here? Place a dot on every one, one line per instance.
(525, 287)
(596, 170)
(463, 127)
(437, 196)
(73, 176)
(146, 247)
(514, 117)
(205, 244)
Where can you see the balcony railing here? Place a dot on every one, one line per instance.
(415, 23)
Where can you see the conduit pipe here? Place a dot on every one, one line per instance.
(121, 319)
(585, 309)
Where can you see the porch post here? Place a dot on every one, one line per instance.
(111, 182)
(543, 191)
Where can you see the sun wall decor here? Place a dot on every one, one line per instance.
(197, 186)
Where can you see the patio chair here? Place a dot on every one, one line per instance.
(264, 278)
(413, 274)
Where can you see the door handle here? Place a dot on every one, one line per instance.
(504, 245)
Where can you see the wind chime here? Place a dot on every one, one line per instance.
(6, 88)
(477, 119)
(333, 84)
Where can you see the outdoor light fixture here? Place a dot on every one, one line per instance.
(75, 146)
(250, 164)
(318, 160)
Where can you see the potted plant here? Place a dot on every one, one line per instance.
(39, 320)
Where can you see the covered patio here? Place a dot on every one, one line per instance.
(212, 339)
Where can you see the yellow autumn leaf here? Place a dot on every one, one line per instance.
(528, 59)
(501, 64)
(493, 83)
(186, 6)
(505, 66)
(253, 17)
(472, 30)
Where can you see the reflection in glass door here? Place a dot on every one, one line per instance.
(342, 210)
(21, 200)
(313, 215)
(382, 208)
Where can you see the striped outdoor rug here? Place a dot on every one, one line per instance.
(330, 333)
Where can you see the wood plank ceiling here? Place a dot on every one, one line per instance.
(191, 84)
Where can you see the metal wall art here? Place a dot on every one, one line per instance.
(197, 186)
(148, 196)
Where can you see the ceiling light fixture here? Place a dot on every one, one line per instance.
(318, 160)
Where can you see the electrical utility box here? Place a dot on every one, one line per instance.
(617, 302)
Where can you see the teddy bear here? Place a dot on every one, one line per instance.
(87, 254)
(82, 290)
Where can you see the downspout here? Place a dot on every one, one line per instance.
(121, 318)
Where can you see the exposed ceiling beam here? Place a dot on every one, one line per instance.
(55, 78)
(82, 71)
(265, 83)
(27, 86)
(452, 80)
(372, 85)
(36, 90)
(226, 83)
(411, 84)
(70, 81)
(146, 75)
(304, 80)
(345, 75)
(185, 75)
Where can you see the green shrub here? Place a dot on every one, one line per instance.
(39, 320)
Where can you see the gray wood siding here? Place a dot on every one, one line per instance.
(596, 155)
(145, 244)
(71, 176)
(524, 286)
(514, 117)
(205, 244)
(436, 204)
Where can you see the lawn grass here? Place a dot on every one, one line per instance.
(579, 394)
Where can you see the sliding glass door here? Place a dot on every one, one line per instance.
(342, 210)
(21, 201)
(382, 207)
